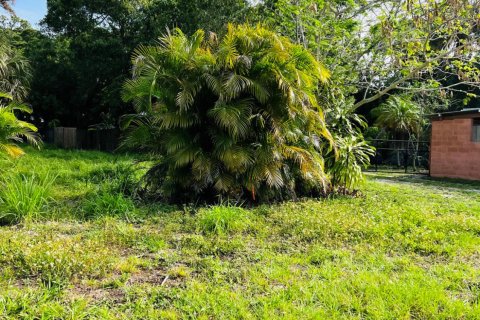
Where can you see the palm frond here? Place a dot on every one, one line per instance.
(234, 117)
(13, 130)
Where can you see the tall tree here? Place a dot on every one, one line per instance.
(189, 15)
(421, 47)
(89, 52)
(376, 48)
(83, 56)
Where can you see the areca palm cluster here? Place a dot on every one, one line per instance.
(13, 130)
(399, 115)
(404, 118)
(235, 116)
(14, 71)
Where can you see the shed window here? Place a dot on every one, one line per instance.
(476, 130)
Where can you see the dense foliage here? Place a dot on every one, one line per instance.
(345, 167)
(235, 116)
(14, 76)
(374, 49)
(14, 70)
(81, 56)
(400, 115)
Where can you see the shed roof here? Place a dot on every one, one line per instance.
(464, 112)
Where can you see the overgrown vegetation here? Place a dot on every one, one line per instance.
(235, 117)
(107, 203)
(223, 219)
(373, 50)
(229, 111)
(407, 248)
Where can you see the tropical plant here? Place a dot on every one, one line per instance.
(352, 153)
(13, 130)
(404, 118)
(343, 120)
(400, 115)
(345, 167)
(14, 71)
(235, 116)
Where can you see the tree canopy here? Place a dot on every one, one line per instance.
(373, 48)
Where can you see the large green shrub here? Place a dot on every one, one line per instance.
(234, 116)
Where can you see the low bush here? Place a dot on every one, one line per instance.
(24, 196)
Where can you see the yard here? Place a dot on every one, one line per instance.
(406, 248)
(244, 131)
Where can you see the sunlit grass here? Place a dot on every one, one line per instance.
(407, 248)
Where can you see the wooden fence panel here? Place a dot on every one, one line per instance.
(70, 138)
(65, 137)
(73, 138)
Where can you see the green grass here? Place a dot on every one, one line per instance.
(223, 219)
(407, 248)
(107, 203)
(24, 197)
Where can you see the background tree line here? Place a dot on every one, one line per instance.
(81, 55)
(373, 49)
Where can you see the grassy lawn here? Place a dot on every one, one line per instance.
(408, 248)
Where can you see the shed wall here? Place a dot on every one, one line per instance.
(453, 154)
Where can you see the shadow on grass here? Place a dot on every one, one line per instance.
(460, 184)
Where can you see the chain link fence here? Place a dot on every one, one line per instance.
(400, 156)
